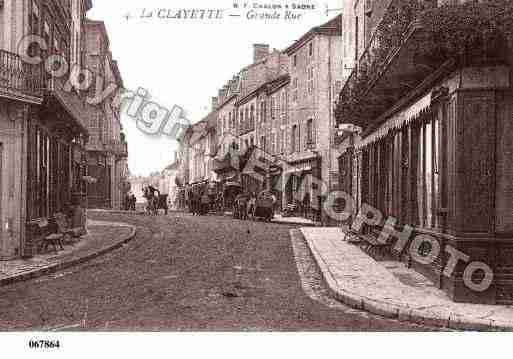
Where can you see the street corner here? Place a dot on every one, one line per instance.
(101, 238)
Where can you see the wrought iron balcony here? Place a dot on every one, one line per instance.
(18, 79)
(246, 127)
(117, 148)
(224, 165)
(397, 25)
(412, 41)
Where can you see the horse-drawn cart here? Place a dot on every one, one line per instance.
(162, 203)
(264, 207)
(240, 206)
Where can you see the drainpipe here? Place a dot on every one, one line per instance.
(330, 163)
(23, 181)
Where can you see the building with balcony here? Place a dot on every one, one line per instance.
(107, 147)
(282, 105)
(430, 91)
(202, 145)
(240, 104)
(316, 75)
(195, 159)
(43, 125)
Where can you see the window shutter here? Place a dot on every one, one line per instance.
(314, 131)
(289, 149)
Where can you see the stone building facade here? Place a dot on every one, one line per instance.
(107, 147)
(433, 149)
(43, 125)
(284, 108)
(315, 70)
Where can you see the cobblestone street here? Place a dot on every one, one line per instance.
(184, 273)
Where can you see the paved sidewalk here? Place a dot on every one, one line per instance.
(391, 289)
(293, 220)
(278, 219)
(102, 237)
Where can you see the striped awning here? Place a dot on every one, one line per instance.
(399, 120)
(298, 170)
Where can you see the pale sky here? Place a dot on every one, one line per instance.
(185, 62)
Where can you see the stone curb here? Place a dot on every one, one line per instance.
(70, 263)
(294, 223)
(141, 213)
(393, 311)
(108, 211)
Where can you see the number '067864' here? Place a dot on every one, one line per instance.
(44, 344)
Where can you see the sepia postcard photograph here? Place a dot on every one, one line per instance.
(256, 178)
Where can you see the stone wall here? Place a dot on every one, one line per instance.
(504, 192)
(13, 119)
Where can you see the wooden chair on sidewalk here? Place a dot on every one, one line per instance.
(46, 237)
(65, 230)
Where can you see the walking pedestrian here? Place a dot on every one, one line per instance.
(306, 204)
(205, 201)
(275, 202)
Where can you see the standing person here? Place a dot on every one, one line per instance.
(220, 202)
(306, 204)
(194, 201)
(275, 201)
(145, 196)
(205, 201)
(252, 204)
(133, 202)
(188, 198)
(153, 195)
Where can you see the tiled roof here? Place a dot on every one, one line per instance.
(332, 27)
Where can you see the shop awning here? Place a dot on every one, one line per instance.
(298, 169)
(398, 121)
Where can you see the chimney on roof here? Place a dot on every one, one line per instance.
(215, 103)
(222, 93)
(260, 52)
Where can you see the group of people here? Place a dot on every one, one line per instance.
(152, 197)
(255, 205)
(130, 202)
(199, 203)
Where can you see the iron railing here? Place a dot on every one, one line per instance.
(398, 20)
(19, 77)
(247, 126)
(118, 148)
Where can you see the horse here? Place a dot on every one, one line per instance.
(152, 202)
(240, 209)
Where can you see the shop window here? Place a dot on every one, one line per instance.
(284, 107)
(310, 132)
(283, 141)
(295, 139)
(310, 80)
(263, 112)
(405, 174)
(295, 88)
(252, 117)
